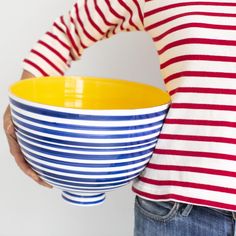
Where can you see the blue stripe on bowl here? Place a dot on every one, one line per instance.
(87, 189)
(84, 127)
(89, 165)
(99, 183)
(74, 143)
(64, 115)
(85, 156)
(82, 148)
(84, 196)
(82, 135)
(83, 203)
(86, 180)
(88, 173)
(83, 185)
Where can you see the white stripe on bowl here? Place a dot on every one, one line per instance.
(87, 169)
(83, 188)
(134, 131)
(88, 122)
(77, 199)
(87, 140)
(90, 147)
(85, 176)
(74, 160)
(89, 152)
(82, 182)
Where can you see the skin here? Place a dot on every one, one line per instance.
(14, 146)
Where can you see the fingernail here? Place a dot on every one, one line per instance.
(47, 186)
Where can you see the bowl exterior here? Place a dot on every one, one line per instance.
(86, 153)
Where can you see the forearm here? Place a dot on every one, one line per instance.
(86, 23)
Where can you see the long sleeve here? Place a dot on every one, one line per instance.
(87, 22)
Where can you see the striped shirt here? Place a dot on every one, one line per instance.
(195, 157)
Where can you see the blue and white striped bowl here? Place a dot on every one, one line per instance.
(86, 152)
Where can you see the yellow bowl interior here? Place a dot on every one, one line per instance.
(88, 92)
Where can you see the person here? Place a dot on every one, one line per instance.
(189, 185)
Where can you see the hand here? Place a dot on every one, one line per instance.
(16, 151)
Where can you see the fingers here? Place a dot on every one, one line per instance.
(21, 162)
(16, 151)
(10, 130)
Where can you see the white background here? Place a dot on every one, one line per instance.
(27, 209)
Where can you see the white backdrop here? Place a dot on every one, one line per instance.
(27, 209)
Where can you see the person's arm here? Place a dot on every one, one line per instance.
(88, 22)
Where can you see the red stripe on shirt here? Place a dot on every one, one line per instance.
(203, 90)
(48, 61)
(73, 43)
(193, 25)
(140, 12)
(200, 74)
(77, 33)
(197, 41)
(102, 15)
(201, 122)
(82, 25)
(59, 28)
(203, 106)
(95, 26)
(58, 54)
(124, 5)
(186, 4)
(183, 198)
(199, 154)
(192, 13)
(187, 185)
(109, 24)
(197, 138)
(200, 170)
(36, 67)
(197, 57)
(58, 40)
(116, 14)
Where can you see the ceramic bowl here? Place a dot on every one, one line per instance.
(87, 135)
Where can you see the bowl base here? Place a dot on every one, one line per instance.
(83, 199)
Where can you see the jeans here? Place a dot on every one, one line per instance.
(179, 219)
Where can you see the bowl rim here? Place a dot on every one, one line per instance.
(117, 112)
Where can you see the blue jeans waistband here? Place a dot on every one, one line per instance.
(170, 218)
(186, 208)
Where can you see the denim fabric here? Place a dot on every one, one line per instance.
(179, 219)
